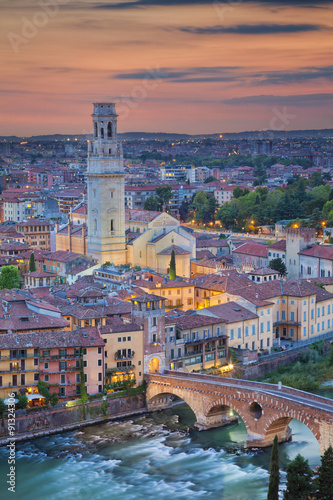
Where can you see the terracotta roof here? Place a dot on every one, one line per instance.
(34, 222)
(204, 254)
(63, 256)
(319, 251)
(230, 312)
(141, 215)
(212, 243)
(40, 274)
(82, 209)
(290, 287)
(229, 282)
(278, 245)
(83, 337)
(178, 251)
(264, 271)
(252, 249)
(193, 321)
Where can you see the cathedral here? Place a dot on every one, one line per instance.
(136, 237)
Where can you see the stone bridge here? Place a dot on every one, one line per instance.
(265, 409)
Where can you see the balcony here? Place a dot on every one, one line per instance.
(68, 369)
(110, 371)
(57, 357)
(284, 322)
(124, 356)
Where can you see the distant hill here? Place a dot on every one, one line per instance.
(267, 134)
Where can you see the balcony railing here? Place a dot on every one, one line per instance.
(109, 371)
(124, 356)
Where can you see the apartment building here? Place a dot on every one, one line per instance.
(37, 233)
(53, 357)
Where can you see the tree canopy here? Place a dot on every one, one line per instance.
(9, 277)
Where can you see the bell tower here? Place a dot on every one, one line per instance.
(106, 189)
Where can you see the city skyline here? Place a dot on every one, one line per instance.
(242, 65)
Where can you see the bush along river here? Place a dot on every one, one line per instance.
(155, 456)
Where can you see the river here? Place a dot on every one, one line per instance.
(150, 457)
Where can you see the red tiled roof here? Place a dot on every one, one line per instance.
(63, 256)
(278, 245)
(252, 249)
(319, 251)
(141, 215)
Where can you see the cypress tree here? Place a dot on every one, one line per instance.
(32, 263)
(299, 480)
(172, 268)
(274, 478)
(324, 482)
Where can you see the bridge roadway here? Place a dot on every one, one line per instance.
(265, 409)
(303, 397)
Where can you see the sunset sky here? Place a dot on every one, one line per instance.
(172, 66)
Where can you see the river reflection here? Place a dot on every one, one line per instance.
(150, 457)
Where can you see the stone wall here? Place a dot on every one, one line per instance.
(54, 420)
(264, 367)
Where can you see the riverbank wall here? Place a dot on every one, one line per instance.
(267, 364)
(43, 422)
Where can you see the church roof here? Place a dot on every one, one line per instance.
(141, 215)
(178, 251)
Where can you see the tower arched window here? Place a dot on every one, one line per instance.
(96, 130)
(109, 130)
(102, 133)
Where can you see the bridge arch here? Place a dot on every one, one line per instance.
(280, 426)
(164, 399)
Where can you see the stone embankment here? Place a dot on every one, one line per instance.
(53, 420)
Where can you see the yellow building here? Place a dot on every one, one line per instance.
(19, 367)
(177, 294)
(123, 352)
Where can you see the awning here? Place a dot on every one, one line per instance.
(35, 396)
(9, 401)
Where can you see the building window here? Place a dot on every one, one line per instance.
(99, 350)
(231, 334)
(119, 339)
(99, 363)
(239, 333)
(36, 377)
(292, 316)
(112, 225)
(253, 329)
(129, 339)
(63, 379)
(261, 327)
(46, 378)
(100, 377)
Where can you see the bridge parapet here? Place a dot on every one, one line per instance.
(264, 409)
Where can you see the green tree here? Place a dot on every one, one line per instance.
(54, 398)
(32, 263)
(22, 402)
(164, 194)
(3, 409)
(184, 210)
(324, 481)
(83, 389)
(210, 179)
(9, 277)
(278, 265)
(274, 477)
(299, 480)
(152, 203)
(172, 268)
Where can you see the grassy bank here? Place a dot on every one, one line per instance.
(308, 373)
